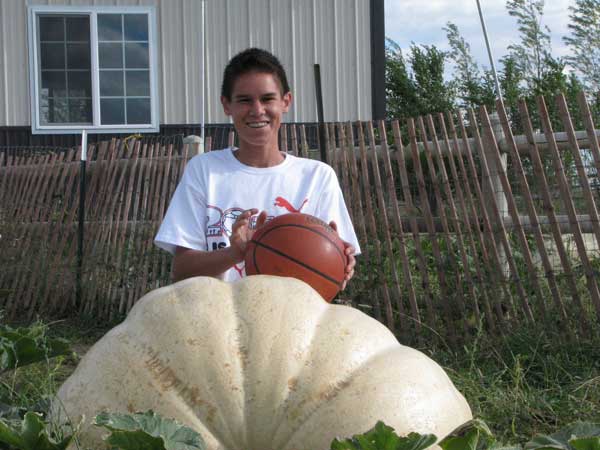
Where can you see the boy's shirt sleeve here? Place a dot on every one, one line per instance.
(331, 206)
(184, 223)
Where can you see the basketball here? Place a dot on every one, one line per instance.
(300, 246)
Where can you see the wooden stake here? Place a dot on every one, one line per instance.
(565, 192)
(373, 229)
(412, 210)
(533, 218)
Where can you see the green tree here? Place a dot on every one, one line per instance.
(416, 85)
(401, 96)
(584, 42)
(511, 83)
(434, 94)
(534, 51)
(467, 76)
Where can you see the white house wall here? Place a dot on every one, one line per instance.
(332, 33)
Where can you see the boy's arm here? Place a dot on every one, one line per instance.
(189, 263)
(193, 263)
(349, 250)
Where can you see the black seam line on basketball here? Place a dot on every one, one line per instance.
(307, 228)
(274, 250)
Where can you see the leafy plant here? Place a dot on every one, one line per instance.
(470, 436)
(148, 431)
(27, 345)
(33, 434)
(473, 435)
(383, 437)
(578, 436)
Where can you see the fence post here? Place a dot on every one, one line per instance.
(196, 142)
(497, 194)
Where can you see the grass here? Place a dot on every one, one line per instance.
(527, 383)
(520, 385)
(31, 387)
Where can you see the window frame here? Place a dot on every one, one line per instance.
(35, 73)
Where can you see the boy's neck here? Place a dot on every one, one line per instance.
(259, 156)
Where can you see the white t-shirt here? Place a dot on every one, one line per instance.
(216, 188)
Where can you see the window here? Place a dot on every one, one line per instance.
(93, 68)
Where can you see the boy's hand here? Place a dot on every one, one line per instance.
(349, 250)
(241, 232)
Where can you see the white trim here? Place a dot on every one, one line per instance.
(92, 12)
(95, 67)
(153, 49)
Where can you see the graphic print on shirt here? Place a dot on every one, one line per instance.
(219, 225)
(283, 203)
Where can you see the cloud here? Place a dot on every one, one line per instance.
(422, 22)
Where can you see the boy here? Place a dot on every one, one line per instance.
(225, 195)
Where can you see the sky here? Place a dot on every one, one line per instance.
(422, 22)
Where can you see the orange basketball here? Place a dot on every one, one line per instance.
(300, 246)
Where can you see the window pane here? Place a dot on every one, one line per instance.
(55, 111)
(136, 55)
(136, 27)
(52, 28)
(80, 83)
(110, 27)
(138, 83)
(78, 29)
(52, 56)
(112, 111)
(110, 56)
(80, 110)
(138, 110)
(111, 83)
(53, 84)
(78, 56)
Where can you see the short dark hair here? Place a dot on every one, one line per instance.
(253, 60)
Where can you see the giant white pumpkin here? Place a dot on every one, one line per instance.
(260, 364)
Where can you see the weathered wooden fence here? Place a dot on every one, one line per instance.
(460, 222)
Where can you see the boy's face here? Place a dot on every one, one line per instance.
(256, 107)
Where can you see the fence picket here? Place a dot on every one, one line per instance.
(566, 195)
(435, 247)
(444, 181)
(533, 218)
(293, 132)
(488, 243)
(283, 138)
(372, 226)
(583, 177)
(360, 221)
(409, 205)
(463, 221)
(400, 235)
(501, 233)
(30, 211)
(342, 166)
(494, 152)
(46, 211)
(387, 238)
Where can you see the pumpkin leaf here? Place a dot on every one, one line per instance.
(9, 436)
(469, 436)
(588, 443)
(23, 346)
(33, 435)
(383, 437)
(148, 431)
(544, 442)
(498, 446)
(564, 439)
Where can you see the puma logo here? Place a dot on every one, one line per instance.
(283, 203)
